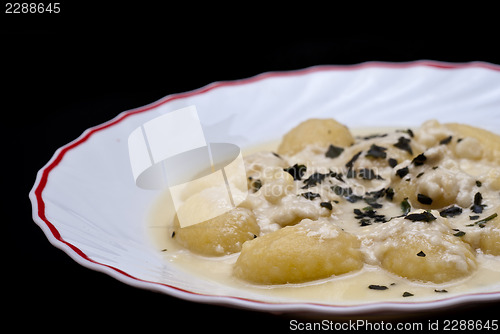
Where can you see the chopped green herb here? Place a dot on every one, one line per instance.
(424, 199)
(478, 183)
(425, 216)
(459, 234)
(474, 217)
(420, 174)
(407, 294)
(377, 287)
(164, 250)
(421, 254)
(392, 162)
(405, 206)
(173, 234)
(481, 223)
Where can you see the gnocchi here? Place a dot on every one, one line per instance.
(489, 242)
(222, 235)
(320, 132)
(307, 251)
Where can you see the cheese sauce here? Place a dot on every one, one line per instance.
(362, 201)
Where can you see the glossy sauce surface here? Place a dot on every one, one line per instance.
(371, 283)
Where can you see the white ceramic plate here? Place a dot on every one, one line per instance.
(86, 202)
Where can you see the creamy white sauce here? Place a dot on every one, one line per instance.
(351, 288)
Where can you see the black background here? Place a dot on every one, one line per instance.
(69, 71)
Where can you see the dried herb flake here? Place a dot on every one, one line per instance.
(376, 135)
(451, 211)
(445, 141)
(377, 287)
(402, 172)
(310, 195)
(313, 180)
(377, 152)
(419, 160)
(408, 131)
(424, 199)
(296, 171)
(327, 205)
(353, 159)
(392, 162)
(366, 215)
(404, 144)
(440, 291)
(478, 207)
(425, 216)
(333, 151)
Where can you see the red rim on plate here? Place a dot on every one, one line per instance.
(52, 233)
